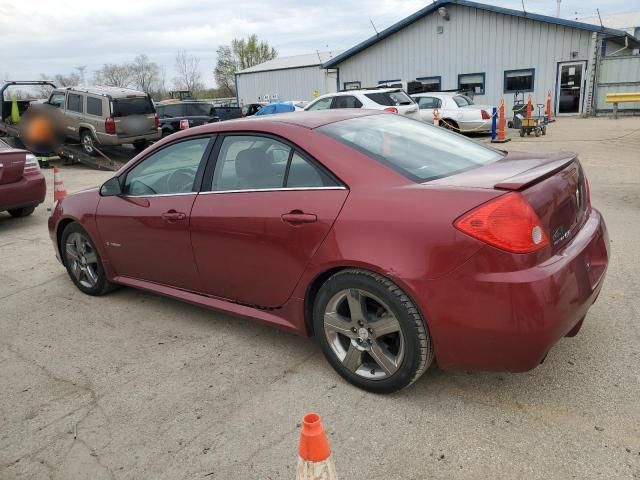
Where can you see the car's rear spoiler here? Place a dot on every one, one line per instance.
(536, 174)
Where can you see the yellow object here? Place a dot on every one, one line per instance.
(316, 93)
(623, 97)
(15, 113)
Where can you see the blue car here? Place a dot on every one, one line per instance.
(281, 107)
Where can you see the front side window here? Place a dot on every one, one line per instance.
(472, 82)
(57, 100)
(94, 106)
(346, 101)
(429, 103)
(261, 163)
(74, 103)
(417, 150)
(518, 80)
(171, 170)
(321, 104)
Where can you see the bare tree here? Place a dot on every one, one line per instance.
(144, 73)
(115, 75)
(189, 76)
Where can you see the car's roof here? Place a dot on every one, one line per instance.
(365, 91)
(113, 92)
(437, 94)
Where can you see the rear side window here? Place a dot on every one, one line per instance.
(462, 100)
(94, 106)
(390, 99)
(304, 174)
(346, 101)
(417, 150)
(74, 103)
(426, 103)
(123, 107)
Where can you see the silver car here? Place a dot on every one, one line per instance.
(457, 112)
(106, 116)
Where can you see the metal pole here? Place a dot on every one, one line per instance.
(494, 122)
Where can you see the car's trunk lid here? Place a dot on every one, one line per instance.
(554, 185)
(11, 163)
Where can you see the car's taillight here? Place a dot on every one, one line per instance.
(391, 110)
(588, 189)
(157, 119)
(31, 165)
(485, 115)
(507, 222)
(110, 126)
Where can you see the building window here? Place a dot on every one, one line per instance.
(471, 82)
(391, 83)
(519, 80)
(430, 84)
(351, 85)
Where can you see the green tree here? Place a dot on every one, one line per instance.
(239, 55)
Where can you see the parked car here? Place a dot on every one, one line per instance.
(227, 113)
(251, 109)
(423, 245)
(176, 116)
(106, 116)
(281, 107)
(22, 185)
(457, 112)
(393, 100)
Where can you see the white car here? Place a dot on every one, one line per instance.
(393, 100)
(457, 112)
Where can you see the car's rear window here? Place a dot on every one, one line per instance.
(123, 107)
(417, 150)
(390, 99)
(198, 109)
(462, 100)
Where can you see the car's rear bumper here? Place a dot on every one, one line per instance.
(29, 191)
(508, 320)
(113, 140)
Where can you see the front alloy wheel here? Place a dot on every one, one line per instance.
(371, 331)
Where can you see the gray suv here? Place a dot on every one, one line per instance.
(106, 116)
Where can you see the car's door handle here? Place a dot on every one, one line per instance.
(173, 216)
(297, 217)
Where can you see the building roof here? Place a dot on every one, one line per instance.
(627, 21)
(296, 61)
(481, 6)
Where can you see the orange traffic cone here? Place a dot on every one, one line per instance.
(502, 136)
(315, 462)
(549, 111)
(59, 192)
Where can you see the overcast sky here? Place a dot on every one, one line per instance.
(55, 36)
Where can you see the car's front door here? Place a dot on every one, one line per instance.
(146, 229)
(262, 214)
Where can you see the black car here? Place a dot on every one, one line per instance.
(176, 116)
(251, 109)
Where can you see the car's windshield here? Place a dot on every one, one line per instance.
(462, 100)
(419, 151)
(123, 107)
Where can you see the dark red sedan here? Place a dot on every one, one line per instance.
(391, 241)
(22, 185)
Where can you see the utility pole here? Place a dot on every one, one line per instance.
(81, 69)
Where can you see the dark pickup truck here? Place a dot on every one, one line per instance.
(175, 116)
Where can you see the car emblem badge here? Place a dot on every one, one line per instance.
(363, 333)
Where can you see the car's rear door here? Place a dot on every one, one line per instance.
(146, 229)
(264, 210)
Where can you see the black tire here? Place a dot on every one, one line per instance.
(510, 124)
(417, 346)
(21, 212)
(522, 132)
(88, 143)
(140, 145)
(102, 285)
(449, 125)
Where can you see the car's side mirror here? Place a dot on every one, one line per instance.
(111, 188)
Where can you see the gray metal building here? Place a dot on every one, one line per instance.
(492, 51)
(287, 78)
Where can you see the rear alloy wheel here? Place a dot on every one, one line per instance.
(87, 143)
(21, 212)
(371, 332)
(83, 262)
